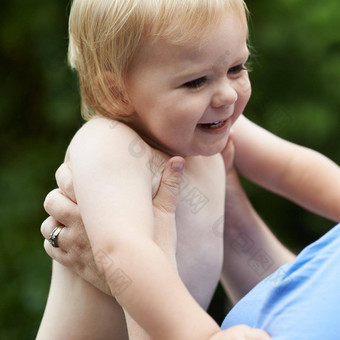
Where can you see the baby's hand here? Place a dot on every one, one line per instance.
(241, 332)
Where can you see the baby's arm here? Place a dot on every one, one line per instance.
(295, 172)
(77, 255)
(113, 184)
(245, 235)
(74, 249)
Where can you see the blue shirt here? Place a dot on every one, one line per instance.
(301, 300)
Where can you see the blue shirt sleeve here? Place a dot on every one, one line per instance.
(301, 300)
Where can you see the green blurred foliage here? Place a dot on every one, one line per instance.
(296, 82)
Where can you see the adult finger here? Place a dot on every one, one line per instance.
(57, 254)
(48, 225)
(61, 208)
(46, 229)
(228, 153)
(73, 243)
(259, 334)
(62, 240)
(166, 197)
(241, 332)
(64, 180)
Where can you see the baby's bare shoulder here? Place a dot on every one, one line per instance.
(104, 128)
(109, 136)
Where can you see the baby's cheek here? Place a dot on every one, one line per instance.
(244, 86)
(243, 91)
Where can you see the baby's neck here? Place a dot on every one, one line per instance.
(156, 144)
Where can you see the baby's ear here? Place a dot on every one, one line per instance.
(111, 95)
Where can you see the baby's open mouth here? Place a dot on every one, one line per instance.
(214, 125)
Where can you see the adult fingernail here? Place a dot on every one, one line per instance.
(177, 166)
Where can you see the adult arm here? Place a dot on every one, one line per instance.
(302, 175)
(251, 251)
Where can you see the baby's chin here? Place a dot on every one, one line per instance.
(193, 151)
(213, 150)
(208, 152)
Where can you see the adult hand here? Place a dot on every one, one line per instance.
(241, 332)
(164, 207)
(74, 248)
(228, 154)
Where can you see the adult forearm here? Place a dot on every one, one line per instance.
(251, 250)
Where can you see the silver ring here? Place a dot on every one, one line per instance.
(52, 238)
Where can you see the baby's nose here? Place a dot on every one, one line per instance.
(224, 95)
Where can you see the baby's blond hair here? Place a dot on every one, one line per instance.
(104, 36)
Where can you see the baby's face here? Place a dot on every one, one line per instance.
(185, 99)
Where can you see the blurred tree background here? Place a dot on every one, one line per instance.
(296, 84)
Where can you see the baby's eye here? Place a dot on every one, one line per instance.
(237, 69)
(196, 84)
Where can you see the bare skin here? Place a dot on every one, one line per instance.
(235, 273)
(187, 113)
(201, 283)
(72, 247)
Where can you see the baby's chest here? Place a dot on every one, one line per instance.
(199, 218)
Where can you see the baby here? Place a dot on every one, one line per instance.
(163, 78)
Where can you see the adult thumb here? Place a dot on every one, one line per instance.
(167, 194)
(228, 153)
